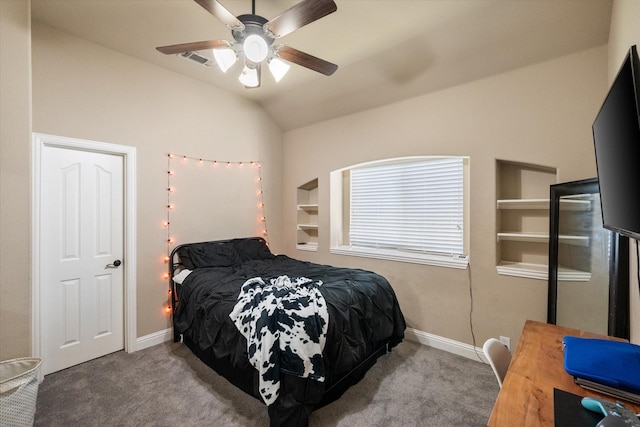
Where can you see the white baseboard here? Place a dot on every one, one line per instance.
(415, 335)
(446, 344)
(153, 339)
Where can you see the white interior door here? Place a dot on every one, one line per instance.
(81, 251)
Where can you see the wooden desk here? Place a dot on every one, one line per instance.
(537, 367)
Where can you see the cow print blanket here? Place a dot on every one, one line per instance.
(284, 321)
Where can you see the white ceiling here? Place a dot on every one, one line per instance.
(386, 50)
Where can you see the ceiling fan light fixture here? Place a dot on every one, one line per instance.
(255, 48)
(278, 68)
(225, 58)
(253, 37)
(249, 77)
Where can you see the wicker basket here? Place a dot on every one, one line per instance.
(18, 391)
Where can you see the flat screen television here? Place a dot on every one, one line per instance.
(616, 135)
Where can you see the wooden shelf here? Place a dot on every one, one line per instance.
(307, 216)
(541, 272)
(307, 246)
(542, 204)
(542, 238)
(309, 207)
(523, 204)
(308, 226)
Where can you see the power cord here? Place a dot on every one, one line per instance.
(473, 335)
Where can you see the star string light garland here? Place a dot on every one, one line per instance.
(170, 206)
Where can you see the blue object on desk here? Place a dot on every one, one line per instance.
(612, 363)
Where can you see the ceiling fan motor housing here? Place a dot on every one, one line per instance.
(254, 24)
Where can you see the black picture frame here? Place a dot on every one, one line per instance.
(618, 316)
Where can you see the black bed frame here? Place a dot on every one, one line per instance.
(331, 394)
(175, 264)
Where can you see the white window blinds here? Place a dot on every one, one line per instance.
(414, 206)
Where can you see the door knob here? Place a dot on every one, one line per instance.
(115, 264)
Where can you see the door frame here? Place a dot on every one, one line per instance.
(128, 155)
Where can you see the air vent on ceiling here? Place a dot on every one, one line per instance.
(192, 56)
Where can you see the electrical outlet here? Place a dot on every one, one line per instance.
(506, 341)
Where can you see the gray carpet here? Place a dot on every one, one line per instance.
(166, 385)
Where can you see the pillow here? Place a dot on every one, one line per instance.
(209, 254)
(252, 248)
(185, 259)
(179, 278)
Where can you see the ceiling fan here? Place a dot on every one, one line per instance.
(254, 38)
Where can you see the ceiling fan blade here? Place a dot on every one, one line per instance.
(298, 16)
(219, 11)
(304, 59)
(193, 46)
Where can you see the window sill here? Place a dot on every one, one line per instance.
(449, 261)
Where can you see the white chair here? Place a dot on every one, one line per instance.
(499, 357)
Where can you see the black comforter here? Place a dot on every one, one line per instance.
(364, 320)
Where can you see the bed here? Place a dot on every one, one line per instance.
(356, 320)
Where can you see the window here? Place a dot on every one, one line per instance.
(410, 209)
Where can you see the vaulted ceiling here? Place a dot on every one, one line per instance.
(386, 50)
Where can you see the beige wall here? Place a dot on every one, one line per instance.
(541, 114)
(625, 32)
(82, 90)
(15, 179)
